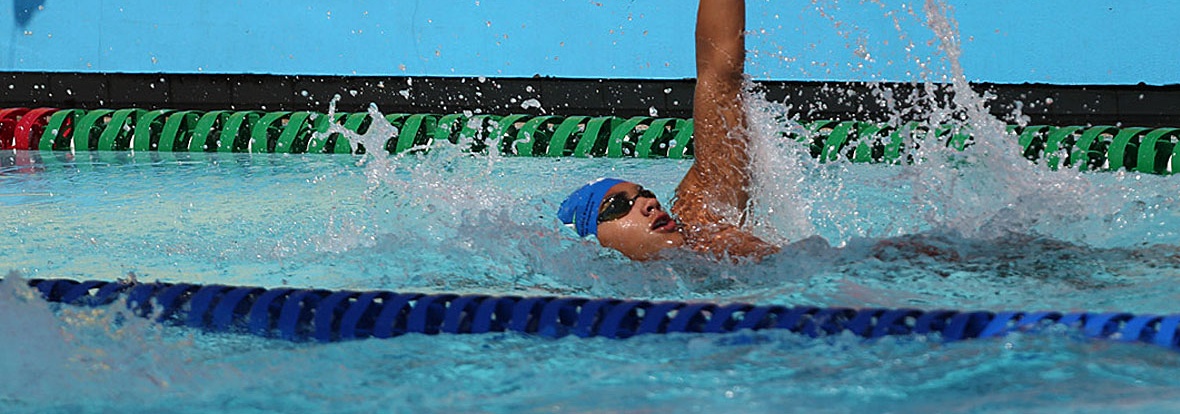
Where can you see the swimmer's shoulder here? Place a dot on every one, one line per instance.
(731, 241)
(708, 230)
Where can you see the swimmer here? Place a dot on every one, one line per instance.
(711, 200)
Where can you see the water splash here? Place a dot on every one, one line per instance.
(438, 220)
(778, 167)
(96, 353)
(1013, 195)
(986, 191)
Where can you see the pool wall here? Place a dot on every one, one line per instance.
(1059, 62)
(1125, 105)
(1057, 41)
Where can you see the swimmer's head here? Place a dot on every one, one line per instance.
(624, 216)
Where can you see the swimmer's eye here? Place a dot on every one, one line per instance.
(619, 205)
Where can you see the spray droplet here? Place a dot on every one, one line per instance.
(530, 103)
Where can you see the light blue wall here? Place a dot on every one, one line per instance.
(1005, 41)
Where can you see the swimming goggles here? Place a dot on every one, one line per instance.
(619, 205)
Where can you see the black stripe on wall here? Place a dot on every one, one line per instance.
(1126, 105)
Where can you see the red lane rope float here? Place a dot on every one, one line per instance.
(31, 127)
(8, 119)
(328, 316)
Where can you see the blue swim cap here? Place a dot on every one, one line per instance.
(581, 207)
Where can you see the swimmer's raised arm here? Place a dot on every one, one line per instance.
(719, 173)
(712, 199)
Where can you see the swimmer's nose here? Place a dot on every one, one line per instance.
(649, 205)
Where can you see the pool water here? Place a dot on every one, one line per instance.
(854, 235)
(982, 229)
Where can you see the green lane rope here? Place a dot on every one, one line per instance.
(1153, 152)
(533, 134)
(321, 141)
(200, 140)
(90, 123)
(505, 129)
(1101, 147)
(296, 134)
(869, 133)
(119, 129)
(835, 141)
(266, 130)
(560, 140)
(417, 130)
(599, 131)
(178, 130)
(1058, 140)
(1091, 147)
(145, 137)
(60, 129)
(1116, 155)
(235, 135)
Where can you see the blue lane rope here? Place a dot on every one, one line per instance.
(328, 316)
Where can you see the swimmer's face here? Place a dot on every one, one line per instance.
(632, 221)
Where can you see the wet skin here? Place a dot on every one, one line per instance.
(712, 196)
(646, 229)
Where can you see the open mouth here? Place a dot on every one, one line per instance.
(663, 222)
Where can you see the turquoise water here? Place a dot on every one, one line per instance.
(978, 230)
(954, 231)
